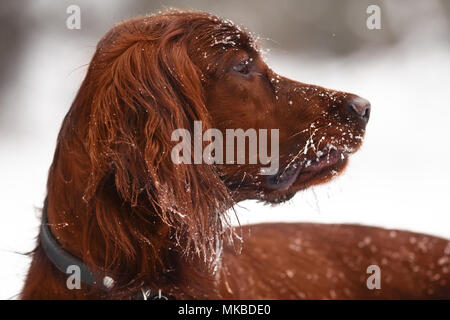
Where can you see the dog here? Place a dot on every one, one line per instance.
(135, 225)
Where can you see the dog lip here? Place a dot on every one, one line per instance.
(326, 159)
(286, 177)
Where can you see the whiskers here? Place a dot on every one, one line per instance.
(311, 143)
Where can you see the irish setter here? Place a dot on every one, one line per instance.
(119, 204)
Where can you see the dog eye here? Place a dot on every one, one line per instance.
(242, 67)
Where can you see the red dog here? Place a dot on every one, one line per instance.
(136, 224)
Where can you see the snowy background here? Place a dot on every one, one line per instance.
(399, 179)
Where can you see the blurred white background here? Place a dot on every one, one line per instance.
(399, 179)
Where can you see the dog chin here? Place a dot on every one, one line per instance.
(303, 174)
(294, 176)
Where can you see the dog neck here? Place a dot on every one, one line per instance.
(130, 245)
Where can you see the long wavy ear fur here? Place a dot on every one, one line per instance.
(146, 86)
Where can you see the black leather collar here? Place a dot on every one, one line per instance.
(62, 260)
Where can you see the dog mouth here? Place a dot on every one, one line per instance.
(327, 160)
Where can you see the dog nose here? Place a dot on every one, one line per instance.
(359, 108)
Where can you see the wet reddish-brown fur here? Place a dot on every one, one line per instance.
(118, 202)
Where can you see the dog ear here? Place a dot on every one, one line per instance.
(147, 87)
